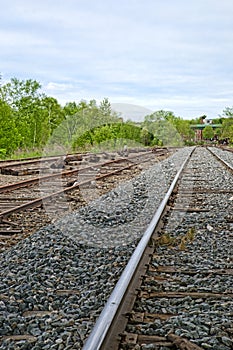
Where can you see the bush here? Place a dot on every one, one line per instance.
(3, 152)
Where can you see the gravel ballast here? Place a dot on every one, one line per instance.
(204, 257)
(55, 283)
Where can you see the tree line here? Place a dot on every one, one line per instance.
(31, 120)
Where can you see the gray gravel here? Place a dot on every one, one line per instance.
(226, 155)
(68, 270)
(120, 216)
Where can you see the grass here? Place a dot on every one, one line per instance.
(170, 241)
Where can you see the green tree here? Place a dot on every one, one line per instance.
(24, 99)
(227, 129)
(118, 133)
(208, 132)
(70, 108)
(18, 91)
(184, 130)
(105, 108)
(36, 115)
(53, 111)
(162, 125)
(228, 112)
(9, 135)
(80, 119)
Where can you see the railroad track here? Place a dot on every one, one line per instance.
(176, 290)
(31, 166)
(37, 165)
(225, 148)
(60, 192)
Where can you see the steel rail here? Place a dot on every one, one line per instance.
(39, 159)
(35, 180)
(38, 201)
(228, 165)
(25, 183)
(98, 334)
(44, 159)
(28, 162)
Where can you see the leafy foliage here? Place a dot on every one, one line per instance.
(208, 132)
(31, 115)
(227, 129)
(30, 120)
(169, 129)
(118, 133)
(9, 135)
(80, 120)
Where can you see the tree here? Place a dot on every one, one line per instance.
(80, 119)
(18, 91)
(162, 125)
(9, 135)
(227, 129)
(24, 98)
(208, 132)
(105, 108)
(228, 112)
(70, 108)
(227, 124)
(117, 133)
(53, 112)
(36, 115)
(183, 128)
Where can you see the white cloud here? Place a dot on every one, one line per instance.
(170, 54)
(58, 86)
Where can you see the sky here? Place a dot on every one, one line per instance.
(174, 55)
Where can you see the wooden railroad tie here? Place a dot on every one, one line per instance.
(169, 341)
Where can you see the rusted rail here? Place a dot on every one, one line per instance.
(131, 162)
(105, 321)
(108, 332)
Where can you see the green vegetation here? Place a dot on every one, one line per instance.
(168, 128)
(208, 132)
(33, 123)
(117, 134)
(227, 124)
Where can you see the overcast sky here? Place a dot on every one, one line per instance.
(174, 55)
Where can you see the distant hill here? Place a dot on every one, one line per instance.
(130, 111)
